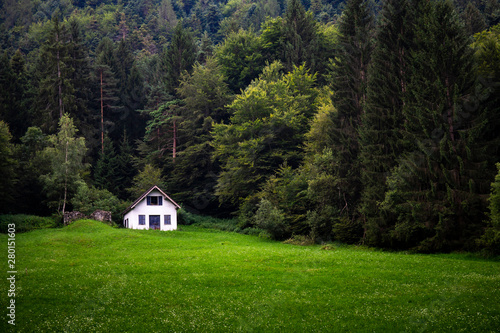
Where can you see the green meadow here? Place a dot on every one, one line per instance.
(90, 277)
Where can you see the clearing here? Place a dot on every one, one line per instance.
(89, 277)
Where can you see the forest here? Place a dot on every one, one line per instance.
(360, 121)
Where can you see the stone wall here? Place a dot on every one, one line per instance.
(101, 215)
(73, 216)
(98, 215)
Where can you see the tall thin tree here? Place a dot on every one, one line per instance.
(349, 81)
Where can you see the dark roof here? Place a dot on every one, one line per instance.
(145, 194)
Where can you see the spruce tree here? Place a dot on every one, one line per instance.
(180, 56)
(437, 191)
(107, 86)
(130, 85)
(15, 97)
(349, 81)
(125, 169)
(55, 93)
(380, 134)
(105, 169)
(205, 96)
(81, 81)
(7, 169)
(474, 20)
(300, 37)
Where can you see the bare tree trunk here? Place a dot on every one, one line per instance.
(451, 110)
(65, 179)
(59, 78)
(174, 150)
(102, 119)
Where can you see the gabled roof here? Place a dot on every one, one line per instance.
(145, 194)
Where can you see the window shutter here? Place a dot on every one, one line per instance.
(148, 198)
(160, 200)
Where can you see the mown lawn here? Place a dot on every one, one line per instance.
(89, 277)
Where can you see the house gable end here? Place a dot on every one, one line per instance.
(144, 197)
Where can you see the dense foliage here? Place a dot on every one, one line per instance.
(357, 121)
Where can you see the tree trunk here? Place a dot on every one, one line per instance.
(175, 142)
(102, 119)
(59, 86)
(65, 178)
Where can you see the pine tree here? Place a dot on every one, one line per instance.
(380, 134)
(349, 80)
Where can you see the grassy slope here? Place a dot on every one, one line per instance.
(90, 277)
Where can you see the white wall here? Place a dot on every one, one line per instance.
(142, 208)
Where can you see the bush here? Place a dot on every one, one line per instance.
(320, 222)
(300, 240)
(185, 218)
(25, 223)
(272, 220)
(210, 222)
(347, 231)
(88, 199)
(251, 231)
(491, 238)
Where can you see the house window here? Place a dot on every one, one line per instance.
(154, 200)
(167, 220)
(142, 219)
(126, 223)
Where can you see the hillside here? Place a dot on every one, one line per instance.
(91, 277)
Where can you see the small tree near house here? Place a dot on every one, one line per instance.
(65, 153)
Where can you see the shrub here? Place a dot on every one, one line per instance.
(347, 230)
(320, 222)
(185, 218)
(251, 231)
(300, 240)
(25, 223)
(491, 238)
(272, 220)
(89, 199)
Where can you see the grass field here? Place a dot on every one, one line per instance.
(89, 277)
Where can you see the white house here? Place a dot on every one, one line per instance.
(152, 210)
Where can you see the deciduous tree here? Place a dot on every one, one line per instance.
(65, 153)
